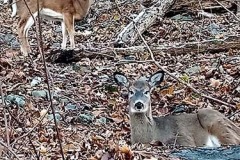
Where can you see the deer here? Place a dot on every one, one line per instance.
(206, 128)
(65, 11)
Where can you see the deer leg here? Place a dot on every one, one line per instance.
(22, 37)
(24, 26)
(69, 22)
(14, 8)
(64, 33)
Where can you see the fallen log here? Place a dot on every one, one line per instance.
(145, 19)
(212, 46)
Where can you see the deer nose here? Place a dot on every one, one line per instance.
(139, 105)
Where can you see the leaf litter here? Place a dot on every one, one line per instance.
(92, 111)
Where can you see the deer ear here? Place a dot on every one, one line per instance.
(121, 79)
(156, 78)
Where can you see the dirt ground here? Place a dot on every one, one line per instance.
(92, 111)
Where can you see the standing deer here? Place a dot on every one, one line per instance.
(207, 128)
(66, 11)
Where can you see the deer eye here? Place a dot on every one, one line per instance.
(131, 92)
(146, 92)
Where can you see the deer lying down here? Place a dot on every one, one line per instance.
(207, 128)
(66, 11)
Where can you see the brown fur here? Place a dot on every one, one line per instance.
(184, 129)
(70, 9)
(205, 128)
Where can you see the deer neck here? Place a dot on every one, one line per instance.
(142, 126)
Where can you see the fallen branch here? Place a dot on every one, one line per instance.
(205, 46)
(229, 10)
(144, 20)
(213, 46)
(179, 80)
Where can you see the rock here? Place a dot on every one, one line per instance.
(57, 115)
(16, 99)
(214, 29)
(85, 118)
(64, 100)
(40, 94)
(193, 70)
(104, 78)
(56, 45)
(70, 107)
(102, 120)
(36, 81)
(58, 29)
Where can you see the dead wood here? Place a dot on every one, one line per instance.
(145, 19)
(148, 16)
(212, 46)
(207, 46)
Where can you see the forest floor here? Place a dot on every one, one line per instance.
(91, 111)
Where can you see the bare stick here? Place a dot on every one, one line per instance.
(227, 10)
(179, 80)
(40, 48)
(5, 114)
(9, 148)
(47, 79)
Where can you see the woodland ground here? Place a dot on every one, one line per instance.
(92, 110)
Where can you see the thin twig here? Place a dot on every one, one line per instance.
(9, 148)
(132, 61)
(228, 10)
(47, 79)
(5, 114)
(179, 80)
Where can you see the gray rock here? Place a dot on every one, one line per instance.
(56, 45)
(16, 99)
(193, 70)
(57, 115)
(70, 107)
(102, 120)
(85, 118)
(40, 94)
(64, 100)
(214, 29)
(36, 81)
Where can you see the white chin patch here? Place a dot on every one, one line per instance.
(133, 110)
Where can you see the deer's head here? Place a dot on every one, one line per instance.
(139, 91)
